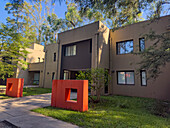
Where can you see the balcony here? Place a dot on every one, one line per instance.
(36, 66)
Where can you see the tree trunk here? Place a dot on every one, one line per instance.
(98, 95)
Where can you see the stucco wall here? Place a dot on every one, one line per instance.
(35, 51)
(82, 59)
(159, 88)
(94, 31)
(50, 66)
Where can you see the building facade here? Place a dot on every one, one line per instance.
(96, 46)
(35, 59)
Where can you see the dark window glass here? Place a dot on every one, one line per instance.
(141, 44)
(53, 75)
(143, 78)
(54, 57)
(25, 59)
(70, 50)
(124, 47)
(125, 78)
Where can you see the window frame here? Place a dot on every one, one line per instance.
(125, 77)
(140, 44)
(123, 42)
(141, 77)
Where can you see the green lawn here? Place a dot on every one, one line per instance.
(113, 112)
(29, 92)
(35, 91)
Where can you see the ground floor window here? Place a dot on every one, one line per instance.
(53, 75)
(125, 78)
(143, 78)
(66, 75)
(36, 78)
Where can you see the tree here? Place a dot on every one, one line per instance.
(72, 16)
(123, 12)
(15, 37)
(97, 77)
(54, 26)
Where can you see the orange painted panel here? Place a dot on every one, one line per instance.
(14, 87)
(61, 90)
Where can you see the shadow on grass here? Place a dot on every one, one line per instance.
(113, 111)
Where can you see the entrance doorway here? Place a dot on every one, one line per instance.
(36, 78)
(70, 75)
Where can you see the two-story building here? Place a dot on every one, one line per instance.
(95, 45)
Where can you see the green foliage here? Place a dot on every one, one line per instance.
(38, 13)
(51, 30)
(15, 37)
(28, 92)
(97, 77)
(35, 91)
(72, 16)
(111, 112)
(122, 12)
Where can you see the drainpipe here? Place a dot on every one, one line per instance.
(45, 60)
(97, 41)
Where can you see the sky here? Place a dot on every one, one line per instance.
(59, 10)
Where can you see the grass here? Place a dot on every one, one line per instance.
(112, 112)
(35, 91)
(28, 92)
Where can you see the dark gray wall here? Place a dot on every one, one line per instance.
(82, 59)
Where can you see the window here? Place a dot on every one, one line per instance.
(124, 47)
(54, 57)
(38, 59)
(66, 75)
(25, 59)
(70, 50)
(53, 75)
(126, 77)
(141, 44)
(143, 78)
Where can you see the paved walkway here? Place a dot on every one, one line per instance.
(17, 111)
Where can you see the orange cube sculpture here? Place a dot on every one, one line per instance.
(61, 90)
(14, 87)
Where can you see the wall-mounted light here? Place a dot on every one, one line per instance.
(113, 71)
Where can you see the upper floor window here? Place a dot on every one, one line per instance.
(125, 78)
(53, 75)
(143, 78)
(54, 57)
(124, 47)
(141, 44)
(70, 50)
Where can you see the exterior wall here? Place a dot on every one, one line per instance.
(95, 31)
(104, 55)
(154, 89)
(80, 61)
(35, 51)
(50, 66)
